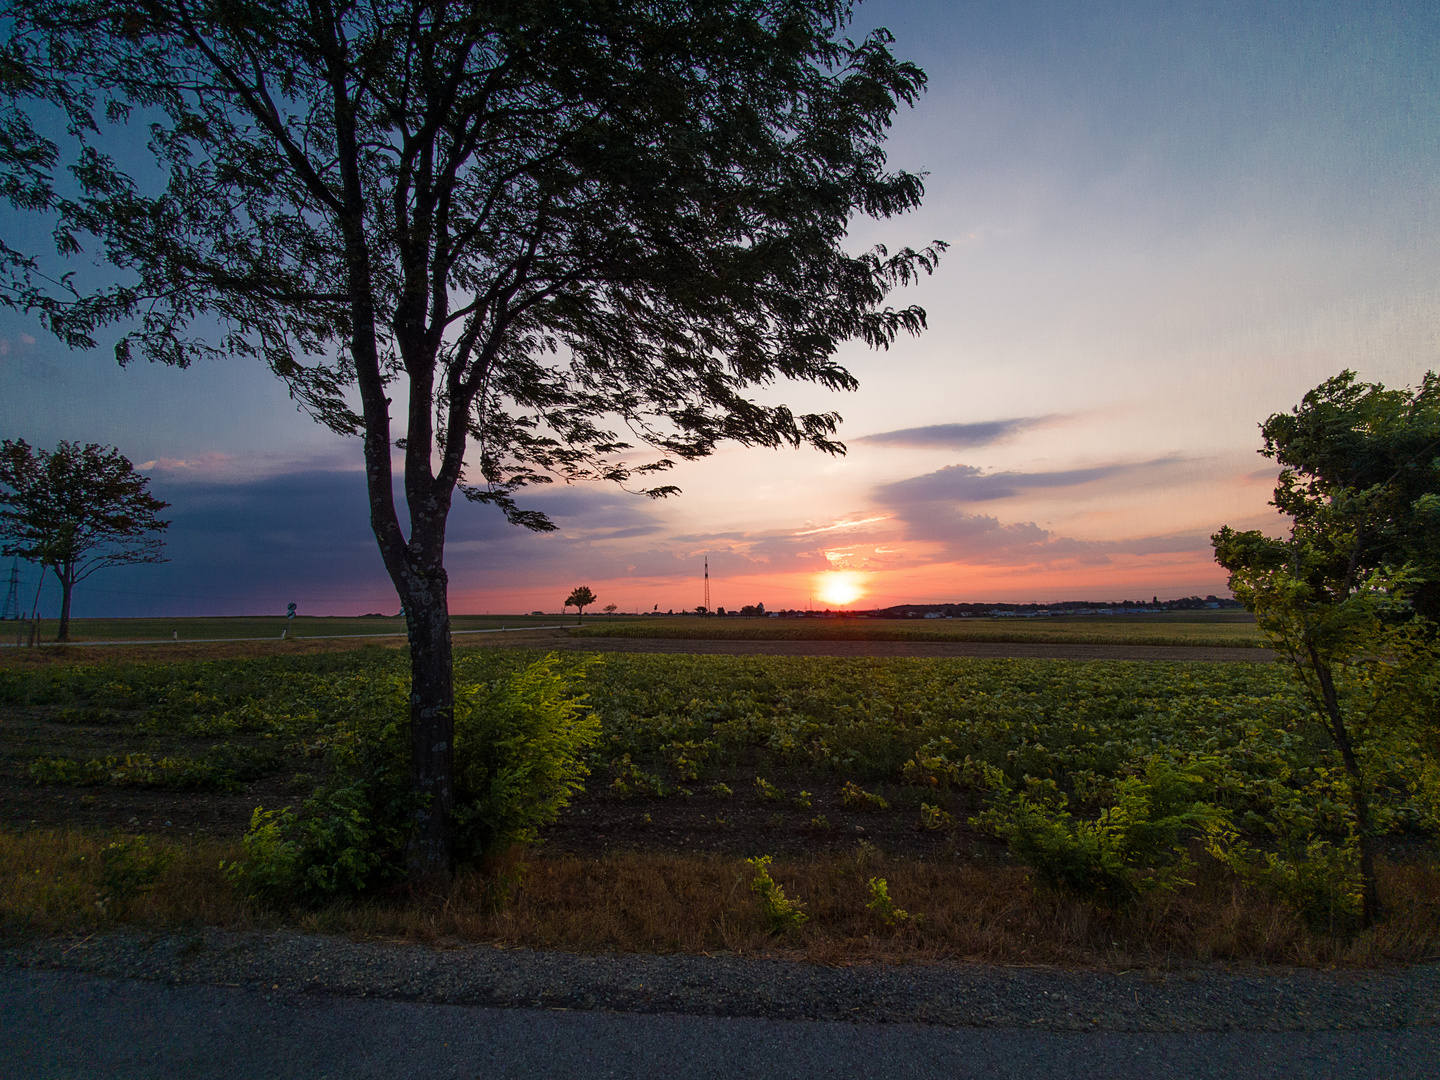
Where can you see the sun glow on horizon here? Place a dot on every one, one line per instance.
(839, 587)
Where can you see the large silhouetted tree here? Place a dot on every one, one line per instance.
(557, 230)
(76, 510)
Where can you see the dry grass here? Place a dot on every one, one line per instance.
(50, 883)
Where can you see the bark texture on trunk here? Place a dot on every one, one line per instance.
(432, 729)
(67, 587)
(1370, 897)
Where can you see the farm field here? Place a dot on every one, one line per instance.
(817, 761)
(1224, 629)
(229, 628)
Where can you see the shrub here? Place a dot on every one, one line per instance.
(518, 743)
(883, 907)
(350, 834)
(518, 755)
(781, 912)
(130, 867)
(1132, 847)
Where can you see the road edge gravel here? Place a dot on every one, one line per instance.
(952, 995)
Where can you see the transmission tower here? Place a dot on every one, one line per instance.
(12, 594)
(707, 584)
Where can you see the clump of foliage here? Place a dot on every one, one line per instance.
(130, 867)
(933, 818)
(632, 781)
(1133, 846)
(883, 907)
(781, 912)
(857, 798)
(223, 768)
(520, 744)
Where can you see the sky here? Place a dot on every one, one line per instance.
(1167, 222)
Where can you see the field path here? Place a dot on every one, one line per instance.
(992, 650)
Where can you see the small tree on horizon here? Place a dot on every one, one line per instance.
(76, 510)
(580, 599)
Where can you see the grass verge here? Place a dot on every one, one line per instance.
(66, 882)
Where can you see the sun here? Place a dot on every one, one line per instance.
(840, 587)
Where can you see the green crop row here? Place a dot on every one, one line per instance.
(944, 724)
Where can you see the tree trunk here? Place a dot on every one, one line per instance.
(67, 586)
(1370, 895)
(432, 729)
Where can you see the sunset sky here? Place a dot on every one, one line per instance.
(1167, 222)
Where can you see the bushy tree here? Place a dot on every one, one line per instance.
(580, 598)
(76, 510)
(1350, 597)
(565, 228)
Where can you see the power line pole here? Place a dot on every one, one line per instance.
(12, 595)
(707, 584)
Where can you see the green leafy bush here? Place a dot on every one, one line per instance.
(1133, 846)
(883, 907)
(519, 755)
(781, 912)
(129, 867)
(350, 834)
(518, 747)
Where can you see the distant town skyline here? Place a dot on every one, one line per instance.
(1167, 223)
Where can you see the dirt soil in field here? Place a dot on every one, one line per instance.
(741, 824)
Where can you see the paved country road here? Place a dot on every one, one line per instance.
(58, 1025)
(220, 1004)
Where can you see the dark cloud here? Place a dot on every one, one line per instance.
(251, 548)
(966, 483)
(956, 436)
(930, 508)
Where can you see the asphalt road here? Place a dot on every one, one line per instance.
(72, 1025)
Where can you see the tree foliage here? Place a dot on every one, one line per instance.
(76, 510)
(1350, 597)
(580, 598)
(578, 233)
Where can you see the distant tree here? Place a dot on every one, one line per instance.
(610, 609)
(700, 609)
(535, 226)
(1350, 597)
(580, 599)
(77, 510)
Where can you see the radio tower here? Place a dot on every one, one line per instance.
(707, 584)
(12, 594)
